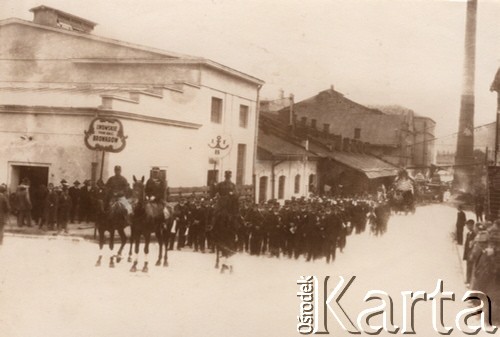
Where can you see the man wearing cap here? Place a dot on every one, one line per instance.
(117, 187)
(85, 201)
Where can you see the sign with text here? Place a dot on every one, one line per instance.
(219, 146)
(105, 134)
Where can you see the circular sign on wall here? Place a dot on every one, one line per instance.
(220, 146)
(105, 134)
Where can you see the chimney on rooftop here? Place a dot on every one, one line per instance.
(47, 16)
(332, 87)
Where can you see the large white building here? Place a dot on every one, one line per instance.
(56, 77)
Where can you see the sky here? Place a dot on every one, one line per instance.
(375, 52)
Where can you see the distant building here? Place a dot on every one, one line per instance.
(293, 161)
(392, 133)
(57, 77)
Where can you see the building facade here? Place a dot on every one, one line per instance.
(56, 77)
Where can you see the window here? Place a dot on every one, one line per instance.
(297, 184)
(240, 164)
(312, 182)
(303, 120)
(216, 116)
(313, 123)
(262, 189)
(326, 128)
(243, 116)
(357, 133)
(281, 187)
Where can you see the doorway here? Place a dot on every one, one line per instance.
(36, 174)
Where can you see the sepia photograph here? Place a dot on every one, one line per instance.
(253, 168)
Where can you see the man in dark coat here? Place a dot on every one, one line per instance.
(50, 209)
(118, 187)
(23, 204)
(460, 225)
(86, 202)
(74, 194)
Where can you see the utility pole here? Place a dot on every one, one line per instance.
(464, 158)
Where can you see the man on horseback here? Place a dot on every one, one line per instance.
(226, 213)
(155, 188)
(117, 188)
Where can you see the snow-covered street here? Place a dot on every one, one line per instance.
(52, 288)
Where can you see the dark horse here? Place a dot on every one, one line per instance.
(149, 217)
(111, 221)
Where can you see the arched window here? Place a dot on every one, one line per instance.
(281, 187)
(297, 184)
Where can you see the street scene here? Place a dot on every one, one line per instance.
(249, 168)
(56, 291)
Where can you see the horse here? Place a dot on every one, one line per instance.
(111, 221)
(148, 218)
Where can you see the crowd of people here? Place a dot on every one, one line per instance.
(52, 207)
(311, 227)
(481, 251)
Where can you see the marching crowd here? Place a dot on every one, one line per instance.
(311, 227)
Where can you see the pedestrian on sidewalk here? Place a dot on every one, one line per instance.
(4, 210)
(460, 225)
(50, 208)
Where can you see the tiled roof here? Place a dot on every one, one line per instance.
(344, 115)
(280, 147)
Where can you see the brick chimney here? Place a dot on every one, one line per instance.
(47, 16)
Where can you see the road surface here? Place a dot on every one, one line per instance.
(52, 288)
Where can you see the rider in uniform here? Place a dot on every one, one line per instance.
(155, 189)
(226, 211)
(117, 188)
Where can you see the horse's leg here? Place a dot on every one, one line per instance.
(131, 244)
(159, 238)
(123, 242)
(147, 239)
(166, 239)
(111, 246)
(216, 256)
(136, 239)
(101, 245)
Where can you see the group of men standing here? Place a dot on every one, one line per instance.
(52, 207)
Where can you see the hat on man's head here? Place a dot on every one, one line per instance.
(118, 167)
(227, 173)
(76, 182)
(64, 182)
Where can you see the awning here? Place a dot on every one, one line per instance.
(371, 166)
